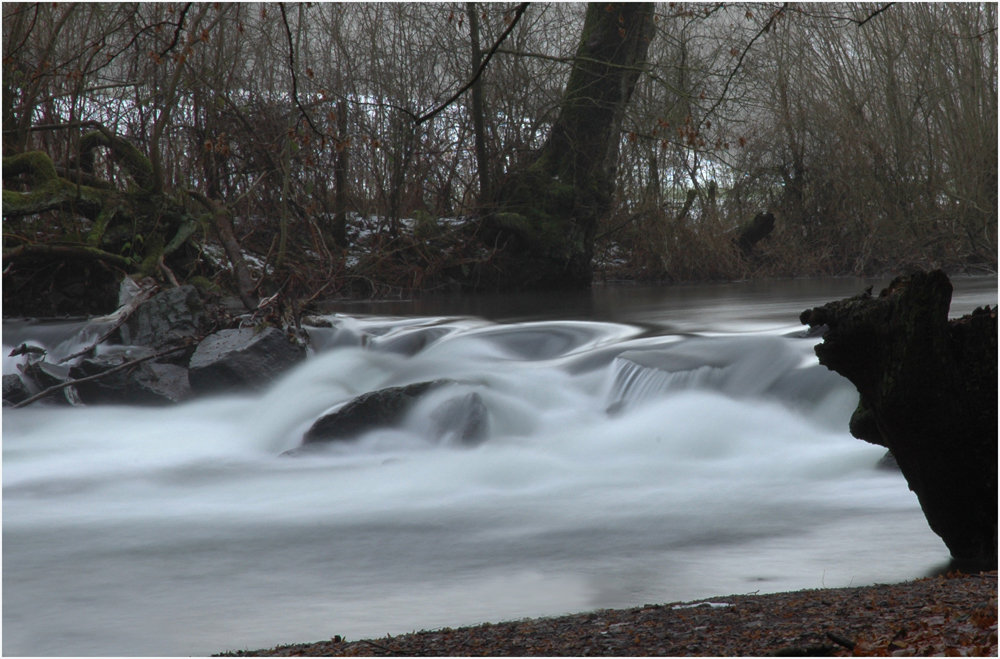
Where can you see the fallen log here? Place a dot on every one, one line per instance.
(928, 388)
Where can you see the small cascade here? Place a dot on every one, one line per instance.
(739, 367)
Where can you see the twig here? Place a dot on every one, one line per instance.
(482, 67)
(875, 13)
(90, 378)
(291, 69)
(840, 640)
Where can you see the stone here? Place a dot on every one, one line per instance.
(14, 389)
(376, 409)
(149, 383)
(237, 359)
(167, 319)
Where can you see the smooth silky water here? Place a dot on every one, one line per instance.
(644, 445)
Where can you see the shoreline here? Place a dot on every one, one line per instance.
(953, 614)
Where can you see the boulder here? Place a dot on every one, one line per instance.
(376, 409)
(241, 359)
(14, 389)
(462, 419)
(149, 383)
(167, 319)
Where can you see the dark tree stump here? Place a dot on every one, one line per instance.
(928, 390)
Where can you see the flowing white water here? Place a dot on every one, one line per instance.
(622, 466)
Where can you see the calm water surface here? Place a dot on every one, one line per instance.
(644, 444)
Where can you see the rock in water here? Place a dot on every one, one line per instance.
(14, 389)
(166, 319)
(376, 409)
(149, 383)
(241, 359)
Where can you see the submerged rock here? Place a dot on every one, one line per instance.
(461, 419)
(376, 409)
(149, 383)
(241, 359)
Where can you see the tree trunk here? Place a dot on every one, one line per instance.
(929, 394)
(340, 178)
(547, 215)
(478, 123)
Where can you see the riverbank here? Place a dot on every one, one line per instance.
(953, 615)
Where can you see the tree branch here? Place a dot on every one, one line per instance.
(482, 67)
(291, 69)
(739, 62)
(90, 378)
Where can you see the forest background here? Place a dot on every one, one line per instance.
(325, 149)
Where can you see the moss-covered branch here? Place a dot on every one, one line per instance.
(28, 252)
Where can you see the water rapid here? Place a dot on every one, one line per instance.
(638, 448)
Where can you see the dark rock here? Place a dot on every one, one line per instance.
(167, 319)
(314, 320)
(149, 383)
(14, 389)
(376, 409)
(241, 358)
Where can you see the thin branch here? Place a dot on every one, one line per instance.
(482, 67)
(875, 13)
(739, 62)
(90, 378)
(291, 69)
(177, 32)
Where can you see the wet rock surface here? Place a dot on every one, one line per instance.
(14, 390)
(168, 318)
(376, 409)
(241, 359)
(149, 383)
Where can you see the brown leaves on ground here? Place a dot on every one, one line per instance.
(951, 616)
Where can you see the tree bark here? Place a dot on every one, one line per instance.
(928, 391)
(340, 177)
(478, 123)
(223, 221)
(547, 215)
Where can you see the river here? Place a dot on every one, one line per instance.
(644, 445)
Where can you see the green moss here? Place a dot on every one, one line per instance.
(55, 194)
(204, 284)
(36, 163)
(126, 155)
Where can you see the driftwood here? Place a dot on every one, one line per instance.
(91, 378)
(928, 391)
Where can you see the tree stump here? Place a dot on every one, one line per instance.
(928, 389)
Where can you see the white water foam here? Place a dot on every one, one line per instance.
(182, 531)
